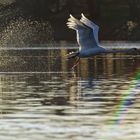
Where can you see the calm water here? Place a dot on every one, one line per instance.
(42, 99)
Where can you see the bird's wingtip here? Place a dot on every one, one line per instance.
(67, 23)
(82, 15)
(71, 15)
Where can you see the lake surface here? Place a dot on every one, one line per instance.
(41, 98)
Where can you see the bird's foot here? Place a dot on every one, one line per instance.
(76, 63)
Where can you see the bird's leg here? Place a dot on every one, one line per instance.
(76, 63)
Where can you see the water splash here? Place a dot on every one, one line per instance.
(26, 33)
(21, 33)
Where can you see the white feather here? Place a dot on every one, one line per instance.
(85, 36)
(92, 25)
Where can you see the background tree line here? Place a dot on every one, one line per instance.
(119, 20)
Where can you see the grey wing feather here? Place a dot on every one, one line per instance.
(92, 25)
(85, 37)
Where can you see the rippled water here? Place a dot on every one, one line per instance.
(42, 99)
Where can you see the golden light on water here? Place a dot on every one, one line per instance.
(39, 92)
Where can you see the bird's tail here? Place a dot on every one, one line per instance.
(72, 55)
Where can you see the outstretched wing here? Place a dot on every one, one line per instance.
(85, 37)
(92, 25)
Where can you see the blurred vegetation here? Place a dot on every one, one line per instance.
(118, 20)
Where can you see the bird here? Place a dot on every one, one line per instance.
(87, 39)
